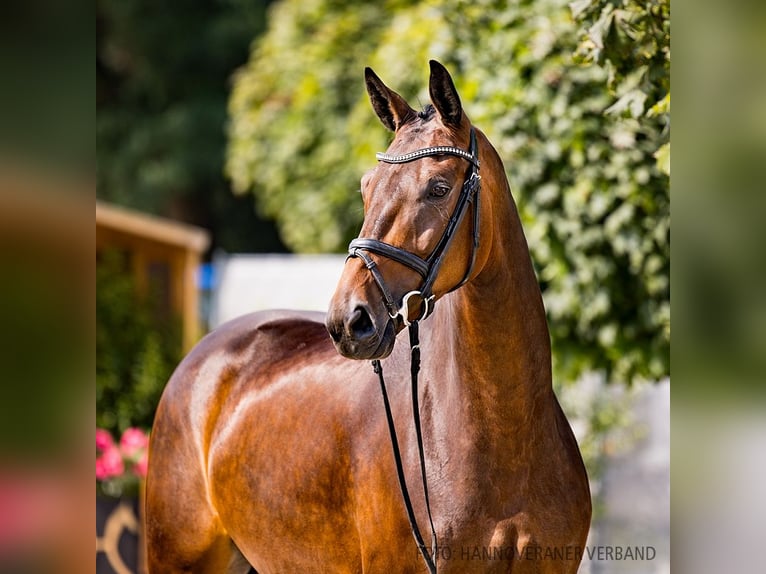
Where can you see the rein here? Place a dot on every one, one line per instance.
(428, 269)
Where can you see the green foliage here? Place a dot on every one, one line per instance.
(631, 41)
(163, 75)
(594, 203)
(137, 348)
(290, 132)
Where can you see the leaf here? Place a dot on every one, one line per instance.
(600, 28)
(632, 102)
(662, 156)
(579, 6)
(661, 107)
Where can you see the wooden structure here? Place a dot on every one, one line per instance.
(162, 251)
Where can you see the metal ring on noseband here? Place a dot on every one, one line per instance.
(404, 310)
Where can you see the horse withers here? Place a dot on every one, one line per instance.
(271, 445)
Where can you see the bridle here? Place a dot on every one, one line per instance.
(428, 269)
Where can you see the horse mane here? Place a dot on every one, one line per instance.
(427, 113)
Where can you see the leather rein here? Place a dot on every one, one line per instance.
(428, 269)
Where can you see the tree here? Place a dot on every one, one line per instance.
(593, 201)
(163, 73)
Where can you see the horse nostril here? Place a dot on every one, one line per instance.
(360, 323)
(335, 332)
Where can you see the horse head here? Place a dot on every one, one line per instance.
(415, 244)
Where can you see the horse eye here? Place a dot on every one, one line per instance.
(439, 190)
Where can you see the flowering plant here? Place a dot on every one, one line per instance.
(121, 466)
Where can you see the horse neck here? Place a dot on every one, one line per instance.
(496, 356)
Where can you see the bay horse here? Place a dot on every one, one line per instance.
(270, 447)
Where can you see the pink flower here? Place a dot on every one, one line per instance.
(133, 441)
(139, 469)
(109, 464)
(103, 439)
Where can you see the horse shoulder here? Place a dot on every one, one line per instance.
(229, 361)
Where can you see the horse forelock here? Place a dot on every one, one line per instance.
(427, 112)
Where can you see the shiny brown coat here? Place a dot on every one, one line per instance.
(270, 446)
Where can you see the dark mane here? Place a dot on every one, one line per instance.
(427, 113)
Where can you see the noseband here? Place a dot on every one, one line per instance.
(427, 268)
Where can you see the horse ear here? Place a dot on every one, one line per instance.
(392, 109)
(444, 95)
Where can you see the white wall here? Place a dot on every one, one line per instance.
(247, 283)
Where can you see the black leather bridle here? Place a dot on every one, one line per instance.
(428, 269)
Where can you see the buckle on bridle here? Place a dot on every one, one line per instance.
(404, 310)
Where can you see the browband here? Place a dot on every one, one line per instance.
(425, 152)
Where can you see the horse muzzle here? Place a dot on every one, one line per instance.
(358, 333)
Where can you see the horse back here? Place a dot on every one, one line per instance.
(242, 359)
(263, 406)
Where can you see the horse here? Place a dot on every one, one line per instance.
(271, 447)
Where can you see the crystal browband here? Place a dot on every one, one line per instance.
(425, 152)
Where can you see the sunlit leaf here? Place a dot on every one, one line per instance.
(663, 158)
